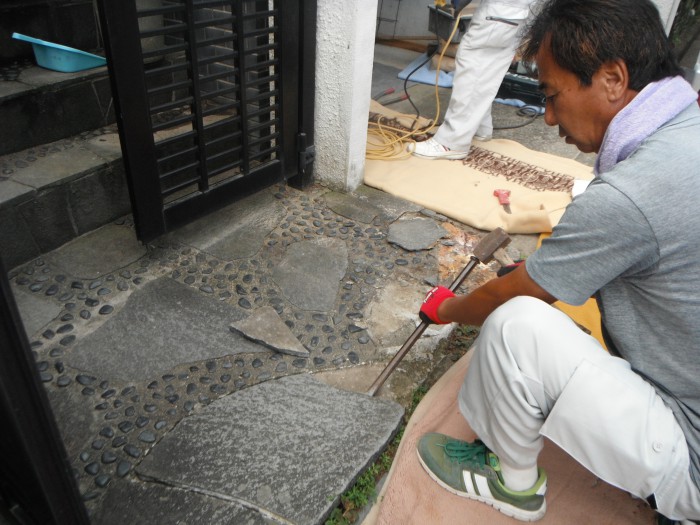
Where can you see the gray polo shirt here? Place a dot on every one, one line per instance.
(632, 240)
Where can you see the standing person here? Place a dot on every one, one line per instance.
(631, 416)
(483, 57)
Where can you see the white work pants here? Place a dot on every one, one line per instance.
(535, 373)
(482, 60)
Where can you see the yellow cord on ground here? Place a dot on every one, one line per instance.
(387, 143)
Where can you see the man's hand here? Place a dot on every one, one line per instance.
(433, 299)
(509, 268)
(476, 306)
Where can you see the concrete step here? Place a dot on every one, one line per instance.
(39, 106)
(53, 193)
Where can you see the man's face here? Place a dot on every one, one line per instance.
(582, 113)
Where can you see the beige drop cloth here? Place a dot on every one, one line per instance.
(410, 497)
(540, 185)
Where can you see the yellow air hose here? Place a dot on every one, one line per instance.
(385, 142)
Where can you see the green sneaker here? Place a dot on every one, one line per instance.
(472, 471)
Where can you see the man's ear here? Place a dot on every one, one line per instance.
(616, 78)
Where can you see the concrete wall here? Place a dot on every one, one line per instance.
(344, 56)
(405, 19)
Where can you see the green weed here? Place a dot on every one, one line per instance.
(364, 491)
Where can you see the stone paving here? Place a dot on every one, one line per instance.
(165, 387)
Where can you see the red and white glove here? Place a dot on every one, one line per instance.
(433, 299)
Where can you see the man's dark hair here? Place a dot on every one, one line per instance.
(587, 33)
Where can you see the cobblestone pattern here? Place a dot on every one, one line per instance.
(11, 72)
(134, 417)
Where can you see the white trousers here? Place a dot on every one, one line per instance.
(535, 374)
(482, 60)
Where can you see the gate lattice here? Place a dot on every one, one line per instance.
(214, 101)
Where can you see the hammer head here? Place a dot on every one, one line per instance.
(484, 251)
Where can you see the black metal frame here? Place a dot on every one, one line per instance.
(35, 475)
(303, 19)
(294, 153)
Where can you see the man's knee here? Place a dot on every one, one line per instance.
(522, 326)
(520, 313)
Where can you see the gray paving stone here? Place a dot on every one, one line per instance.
(143, 503)
(107, 146)
(163, 324)
(12, 88)
(36, 311)
(265, 326)
(99, 252)
(236, 231)
(287, 446)
(12, 192)
(310, 273)
(39, 76)
(76, 420)
(416, 234)
(58, 167)
(392, 207)
(349, 206)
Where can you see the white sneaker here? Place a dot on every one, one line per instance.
(432, 149)
(483, 138)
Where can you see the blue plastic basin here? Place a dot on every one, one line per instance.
(61, 58)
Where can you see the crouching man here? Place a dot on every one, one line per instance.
(631, 240)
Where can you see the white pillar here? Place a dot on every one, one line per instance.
(667, 10)
(344, 56)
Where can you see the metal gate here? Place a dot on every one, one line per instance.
(36, 480)
(214, 101)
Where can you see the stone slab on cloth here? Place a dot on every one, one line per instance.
(540, 185)
(265, 326)
(288, 447)
(163, 324)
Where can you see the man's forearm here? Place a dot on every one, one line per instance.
(471, 309)
(475, 307)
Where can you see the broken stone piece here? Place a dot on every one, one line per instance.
(415, 234)
(264, 326)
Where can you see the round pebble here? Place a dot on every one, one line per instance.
(123, 468)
